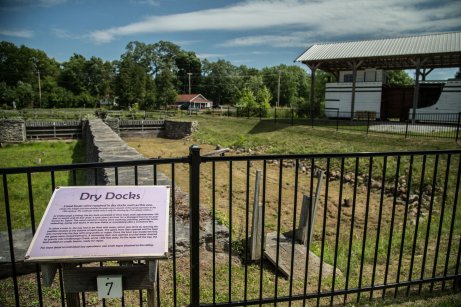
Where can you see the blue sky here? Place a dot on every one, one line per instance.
(256, 33)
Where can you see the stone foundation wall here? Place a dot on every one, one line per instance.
(114, 124)
(179, 129)
(104, 145)
(12, 131)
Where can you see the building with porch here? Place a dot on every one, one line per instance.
(193, 101)
(360, 69)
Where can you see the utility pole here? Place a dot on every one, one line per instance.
(189, 74)
(39, 89)
(278, 91)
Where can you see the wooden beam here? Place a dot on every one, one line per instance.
(418, 63)
(313, 67)
(48, 273)
(355, 65)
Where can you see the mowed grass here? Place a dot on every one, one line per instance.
(35, 154)
(282, 138)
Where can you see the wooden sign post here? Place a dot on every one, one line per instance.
(103, 223)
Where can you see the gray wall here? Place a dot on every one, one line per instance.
(104, 145)
(179, 129)
(12, 131)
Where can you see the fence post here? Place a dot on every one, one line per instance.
(292, 116)
(54, 129)
(337, 120)
(368, 121)
(406, 129)
(194, 203)
(312, 117)
(457, 126)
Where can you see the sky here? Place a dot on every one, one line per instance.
(255, 33)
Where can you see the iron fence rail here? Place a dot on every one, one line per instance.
(435, 125)
(397, 235)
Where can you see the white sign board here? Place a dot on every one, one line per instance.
(110, 286)
(110, 222)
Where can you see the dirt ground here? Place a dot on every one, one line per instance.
(165, 148)
(233, 194)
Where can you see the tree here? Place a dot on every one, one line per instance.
(399, 77)
(21, 67)
(220, 81)
(73, 74)
(24, 95)
(98, 77)
(153, 57)
(264, 97)
(165, 83)
(131, 82)
(188, 63)
(247, 99)
(458, 74)
(293, 83)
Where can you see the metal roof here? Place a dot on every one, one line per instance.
(439, 50)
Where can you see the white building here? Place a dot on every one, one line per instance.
(360, 69)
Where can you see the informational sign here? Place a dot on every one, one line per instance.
(109, 222)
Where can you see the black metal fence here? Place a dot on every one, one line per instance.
(386, 225)
(433, 125)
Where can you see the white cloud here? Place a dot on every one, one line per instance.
(48, 3)
(64, 34)
(210, 56)
(295, 39)
(325, 19)
(17, 33)
(22, 3)
(148, 2)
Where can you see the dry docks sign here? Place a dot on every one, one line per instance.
(90, 223)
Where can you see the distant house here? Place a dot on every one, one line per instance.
(194, 101)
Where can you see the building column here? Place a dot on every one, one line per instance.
(313, 68)
(355, 65)
(418, 63)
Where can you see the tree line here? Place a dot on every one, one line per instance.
(148, 75)
(151, 75)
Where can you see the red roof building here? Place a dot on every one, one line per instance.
(195, 101)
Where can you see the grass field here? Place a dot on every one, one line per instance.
(251, 136)
(34, 154)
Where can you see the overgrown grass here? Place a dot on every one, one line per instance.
(34, 154)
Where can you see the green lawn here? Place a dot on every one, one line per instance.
(34, 154)
(282, 138)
